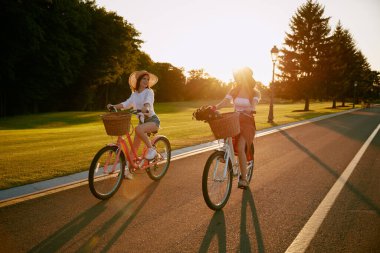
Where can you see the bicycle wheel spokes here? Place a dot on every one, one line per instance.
(106, 172)
(162, 161)
(216, 181)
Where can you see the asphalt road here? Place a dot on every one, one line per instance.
(295, 170)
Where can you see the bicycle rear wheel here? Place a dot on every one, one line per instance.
(250, 162)
(216, 182)
(106, 172)
(158, 170)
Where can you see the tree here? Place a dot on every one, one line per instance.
(59, 49)
(195, 85)
(42, 52)
(200, 85)
(304, 48)
(362, 74)
(339, 64)
(113, 50)
(171, 82)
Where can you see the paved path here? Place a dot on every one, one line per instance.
(79, 178)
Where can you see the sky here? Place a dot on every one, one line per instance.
(222, 35)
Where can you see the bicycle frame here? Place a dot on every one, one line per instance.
(222, 166)
(138, 162)
(144, 164)
(110, 162)
(229, 155)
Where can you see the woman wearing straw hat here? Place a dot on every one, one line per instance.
(142, 98)
(245, 97)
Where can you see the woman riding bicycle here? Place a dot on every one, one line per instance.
(244, 97)
(142, 99)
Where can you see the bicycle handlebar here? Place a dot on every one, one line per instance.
(112, 109)
(132, 111)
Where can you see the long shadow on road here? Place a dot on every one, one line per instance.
(245, 244)
(347, 123)
(67, 232)
(217, 227)
(333, 172)
(57, 240)
(145, 196)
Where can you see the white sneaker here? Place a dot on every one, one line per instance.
(150, 154)
(127, 173)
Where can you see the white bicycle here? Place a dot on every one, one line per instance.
(221, 166)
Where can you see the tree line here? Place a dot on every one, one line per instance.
(316, 63)
(60, 55)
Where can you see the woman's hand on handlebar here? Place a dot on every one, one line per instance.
(111, 108)
(212, 107)
(115, 108)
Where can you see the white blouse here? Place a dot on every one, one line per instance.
(137, 101)
(243, 104)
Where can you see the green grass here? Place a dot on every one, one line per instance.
(43, 146)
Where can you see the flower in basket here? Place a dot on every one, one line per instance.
(206, 113)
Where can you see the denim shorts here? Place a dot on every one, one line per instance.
(153, 119)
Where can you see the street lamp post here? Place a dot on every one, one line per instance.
(274, 53)
(355, 84)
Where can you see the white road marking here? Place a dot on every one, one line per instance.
(304, 237)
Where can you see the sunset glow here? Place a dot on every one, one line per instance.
(219, 36)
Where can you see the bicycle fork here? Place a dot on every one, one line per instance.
(229, 155)
(109, 157)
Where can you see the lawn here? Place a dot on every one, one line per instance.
(43, 146)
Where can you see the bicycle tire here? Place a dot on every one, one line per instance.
(104, 182)
(251, 164)
(163, 148)
(216, 200)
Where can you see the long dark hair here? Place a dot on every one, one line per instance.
(243, 78)
(139, 80)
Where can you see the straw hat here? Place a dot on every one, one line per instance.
(153, 79)
(244, 71)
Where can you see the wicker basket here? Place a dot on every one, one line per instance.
(117, 123)
(227, 126)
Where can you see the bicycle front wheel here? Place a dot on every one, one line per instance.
(162, 160)
(106, 172)
(217, 181)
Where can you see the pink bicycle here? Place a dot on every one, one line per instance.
(107, 167)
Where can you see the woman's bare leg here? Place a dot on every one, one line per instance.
(242, 157)
(142, 129)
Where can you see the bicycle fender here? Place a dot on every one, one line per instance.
(158, 136)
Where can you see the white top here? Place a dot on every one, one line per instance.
(137, 101)
(243, 104)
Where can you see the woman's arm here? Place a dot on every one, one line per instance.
(118, 106)
(226, 100)
(222, 103)
(256, 97)
(146, 109)
(148, 102)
